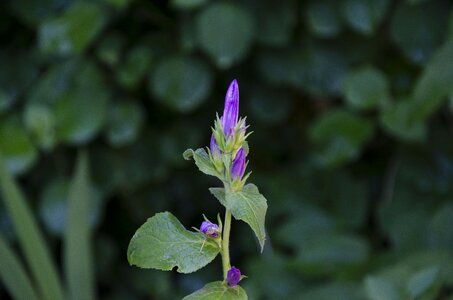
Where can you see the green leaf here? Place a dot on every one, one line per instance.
(13, 274)
(77, 240)
(340, 135)
(440, 233)
(202, 161)
(225, 31)
(124, 123)
(135, 66)
(163, 243)
(187, 4)
(381, 289)
(16, 146)
(180, 82)
(40, 122)
(422, 281)
(74, 30)
(30, 238)
(247, 205)
(323, 18)
(365, 15)
(218, 290)
(366, 88)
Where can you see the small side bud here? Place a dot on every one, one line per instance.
(233, 276)
(210, 229)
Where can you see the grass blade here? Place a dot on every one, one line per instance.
(13, 274)
(30, 238)
(77, 243)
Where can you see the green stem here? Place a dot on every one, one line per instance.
(226, 243)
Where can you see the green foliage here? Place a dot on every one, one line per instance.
(350, 103)
(163, 243)
(218, 291)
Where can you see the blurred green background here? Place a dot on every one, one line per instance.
(351, 106)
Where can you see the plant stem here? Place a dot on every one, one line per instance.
(226, 244)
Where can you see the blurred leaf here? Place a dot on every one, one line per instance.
(30, 238)
(366, 88)
(187, 4)
(435, 83)
(323, 18)
(225, 31)
(340, 135)
(218, 290)
(440, 227)
(330, 253)
(34, 13)
(380, 289)
(15, 145)
(78, 260)
(335, 291)
(421, 281)
(125, 121)
(135, 66)
(182, 83)
(419, 29)
(365, 16)
(275, 21)
(397, 119)
(13, 274)
(270, 106)
(118, 4)
(202, 160)
(109, 50)
(40, 123)
(74, 30)
(247, 205)
(163, 243)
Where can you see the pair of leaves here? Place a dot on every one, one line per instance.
(247, 204)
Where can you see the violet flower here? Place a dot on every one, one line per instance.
(238, 168)
(210, 229)
(214, 147)
(231, 109)
(233, 276)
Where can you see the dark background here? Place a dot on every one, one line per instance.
(351, 106)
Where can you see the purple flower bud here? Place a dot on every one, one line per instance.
(215, 150)
(238, 168)
(231, 109)
(210, 229)
(233, 276)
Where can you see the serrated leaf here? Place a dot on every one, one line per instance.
(247, 205)
(202, 161)
(422, 281)
(218, 290)
(163, 243)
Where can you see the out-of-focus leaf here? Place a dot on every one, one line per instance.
(340, 135)
(381, 289)
(397, 119)
(109, 50)
(134, 68)
(13, 274)
(125, 121)
(30, 237)
(74, 30)
(270, 106)
(331, 252)
(182, 83)
(33, 13)
(421, 281)
(435, 84)
(187, 4)
(366, 88)
(163, 243)
(323, 18)
(16, 146)
(247, 205)
(440, 228)
(419, 29)
(218, 290)
(365, 15)
(78, 260)
(40, 122)
(275, 21)
(335, 291)
(117, 4)
(225, 32)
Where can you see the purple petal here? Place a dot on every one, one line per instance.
(214, 147)
(231, 109)
(238, 168)
(233, 276)
(209, 229)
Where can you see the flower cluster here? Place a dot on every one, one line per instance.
(228, 147)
